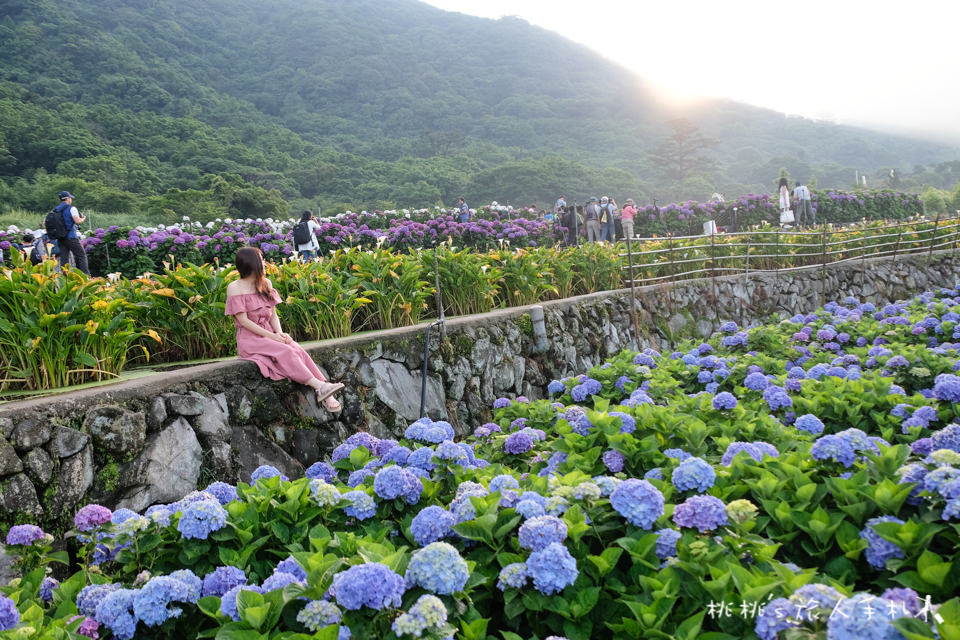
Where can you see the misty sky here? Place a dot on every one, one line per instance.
(887, 65)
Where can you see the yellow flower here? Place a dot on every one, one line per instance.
(39, 277)
(101, 305)
(34, 343)
(153, 334)
(91, 327)
(166, 291)
(195, 298)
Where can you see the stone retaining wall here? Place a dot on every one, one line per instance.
(157, 438)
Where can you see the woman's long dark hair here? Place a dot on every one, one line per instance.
(783, 183)
(249, 262)
(306, 215)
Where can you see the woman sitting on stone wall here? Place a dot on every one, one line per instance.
(252, 302)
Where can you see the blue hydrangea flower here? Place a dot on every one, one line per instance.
(115, 612)
(361, 506)
(397, 455)
(357, 478)
(755, 450)
(513, 576)
(627, 423)
(946, 438)
(92, 595)
(503, 481)
(371, 584)
(936, 480)
(151, 602)
(654, 474)
(438, 568)
(756, 381)
(774, 618)
(530, 508)
(501, 403)
(431, 524)
(222, 579)
(552, 568)
(952, 509)
(222, 491)
(704, 513)
(677, 454)
(556, 386)
(693, 474)
(613, 460)
(667, 543)
(776, 397)
(519, 442)
(278, 580)
(201, 518)
(291, 566)
(228, 603)
(809, 423)
(833, 447)
(322, 471)
(9, 616)
(537, 533)
(266, 471)
(47, 585)
(638, 501)
(395, 482)
(863, 616)
(724, 401)
(422, 458)
(879, 549)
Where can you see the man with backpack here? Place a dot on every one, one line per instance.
(591, 214)
(61, 225)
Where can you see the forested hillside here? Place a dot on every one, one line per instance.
(245, 107)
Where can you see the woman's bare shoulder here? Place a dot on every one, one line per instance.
(237, 288)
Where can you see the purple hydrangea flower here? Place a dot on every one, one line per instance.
(24, 534)
(702, 512)
(613, 460)
(724, 401)
(879, 549)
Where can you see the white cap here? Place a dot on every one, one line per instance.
(604, 199)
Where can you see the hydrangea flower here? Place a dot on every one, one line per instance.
(776, 397)
(613, 460)
(756, 381)
(395, 482)
(116, 613)
(678, 454)
(228, 603)
(809, 423)
(24, 534)
(501, 403)
(9, 616)
(278, 580)
(221, 580)
(201, 518)
(755, 450)
(627, 422)
(371, 584)
(862, 616)
(438, 568)
(318, 614)
(321, 471)
(638, 501)
(324, 494)
(724, 401)
(266, 471)
(556, 386)
(431, 524)
(667, 543)
(693, 474)
(552, 568)
(775, 617)
(90, 516)
(946, 438)
(222, 491)
(151, 602)
(513, 576)
(702, 512)
(92, 595)
(361, 506)
(519, 442)
(503, 481)
(880, 550)
(833, 447)
(47, 585)
(537, 533)
(427, 614)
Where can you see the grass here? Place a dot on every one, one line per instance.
(34, 220)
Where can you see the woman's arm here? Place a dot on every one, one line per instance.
(252, 326)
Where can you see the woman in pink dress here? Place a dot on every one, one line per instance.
(252, 302)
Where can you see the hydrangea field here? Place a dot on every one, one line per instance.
(799, 479)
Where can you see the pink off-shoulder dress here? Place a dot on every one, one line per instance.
(276, 360)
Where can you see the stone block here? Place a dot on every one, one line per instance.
(119, 431)
(18, 496)
(31, 433)
(9, 462)
(73, 480)
(399, 389)
(39, 466)
(157, 413)
(66, 442)
(185, 405)
(167, 469)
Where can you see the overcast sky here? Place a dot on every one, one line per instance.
(889, 65)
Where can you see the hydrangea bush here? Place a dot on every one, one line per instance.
(790, 493)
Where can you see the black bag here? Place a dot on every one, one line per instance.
(301, 233)
(36, 255)
(54, 223)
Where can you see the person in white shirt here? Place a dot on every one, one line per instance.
(309, 250)
(805, 215)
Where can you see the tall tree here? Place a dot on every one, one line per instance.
(683, 152)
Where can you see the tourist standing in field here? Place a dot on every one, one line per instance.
(591, 215)
(626, 217)
(560, 206)
(252, 302)
(308, 250)
(71, 243)
(463, 210)
(784, 191)
(805, 215)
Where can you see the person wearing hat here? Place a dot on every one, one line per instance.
(591, 215)
(626, 217)
(71, 244)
